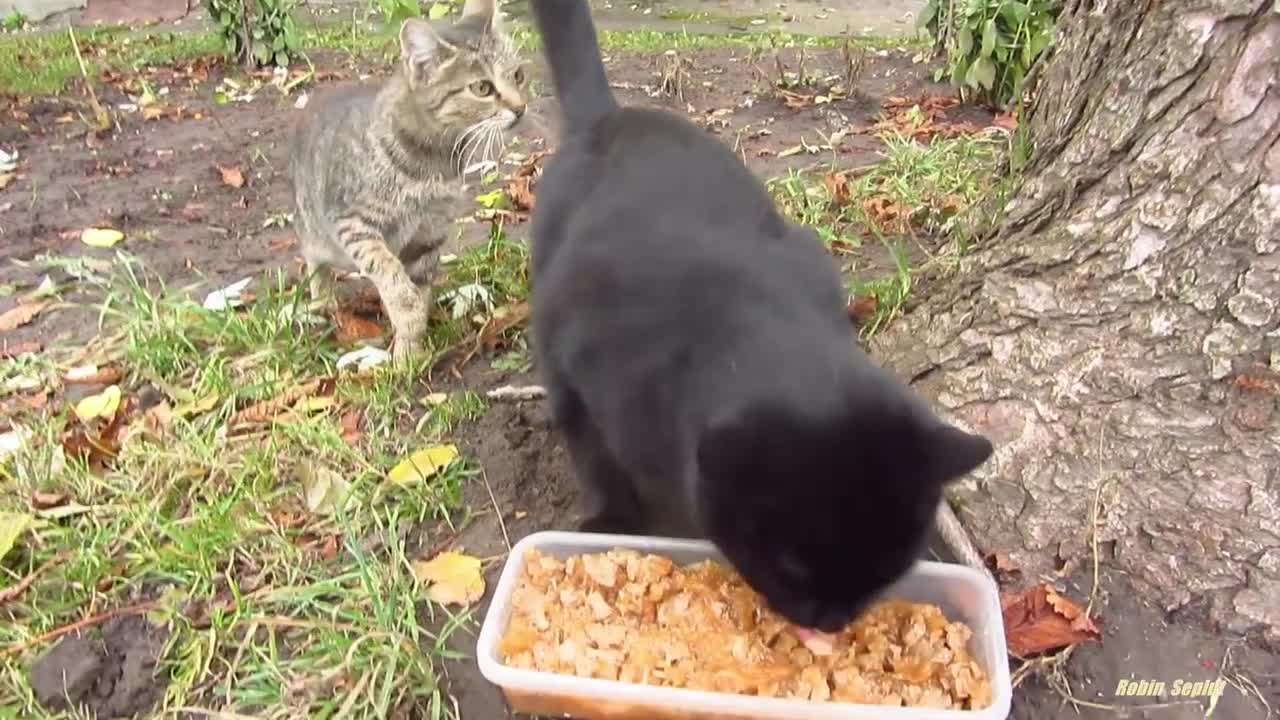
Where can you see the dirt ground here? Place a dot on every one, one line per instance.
(159, 181)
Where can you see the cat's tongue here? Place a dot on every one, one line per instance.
(818, 642)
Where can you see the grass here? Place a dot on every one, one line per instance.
(939, 189)
(44, 62)
(275, 594)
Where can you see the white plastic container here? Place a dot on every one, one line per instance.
(963, 594)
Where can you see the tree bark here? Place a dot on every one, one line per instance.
(1119, 339)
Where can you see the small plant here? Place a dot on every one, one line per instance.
(256, 32)
(14, 20)
(991, 45)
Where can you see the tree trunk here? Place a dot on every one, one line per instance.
(1119, 340)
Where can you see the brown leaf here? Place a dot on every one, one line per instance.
(1003, 567)
(18, 316)
(349, 424)
(885, 212)
(1039, 619)
(41, 500)
(8, 351)
(353, 328)
(104, 376)
(490, 336)
(862, 309)
(283, 242)
(96, 442)
(231, 176)
(838, 188)
(520, 190)
(267, 410)
(795, 100)
(1005, 120)
(1252, 382)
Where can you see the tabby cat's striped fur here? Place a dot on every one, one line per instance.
(376, 170)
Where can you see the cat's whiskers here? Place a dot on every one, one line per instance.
(467, 139)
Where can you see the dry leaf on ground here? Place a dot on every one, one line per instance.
(101, 237)
(453, 578)
(349, 424)
(101, 444)
(1005, 120)
(862, 309)
(231, 176)
(103, 405)
(42, 500)
(838, 188)
(16, 317)
(353, 328)
(267, 410)
(520, 190)
(93, 375)
(8, 351)
(325, 490)
(885, 212)
(1039, 619)
(12, 526)
(423, 464)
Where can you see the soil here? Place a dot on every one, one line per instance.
(109, 674)
(159, 182)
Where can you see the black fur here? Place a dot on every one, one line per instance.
(700, 363)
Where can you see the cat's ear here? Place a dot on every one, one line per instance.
(955, 453)
(421, 47)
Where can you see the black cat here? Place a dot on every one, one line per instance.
(701, 365)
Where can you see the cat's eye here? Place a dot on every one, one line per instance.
(482, 88)
(519, 76)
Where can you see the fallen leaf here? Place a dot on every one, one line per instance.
(435, 398)
(423, 464)
(325, 490)
(1005, 120)
(521, 193)
(353, 328)
(5, 179)
(364, 358)
(315, 404)
(267, 410)
(11, 442)
(104, 404)
(16, 317)
(228, 297)
(231, 176)
(93, 375)
(349, 424)
(97, 446)
(862, 309)
(838, 188)
(101, 237)
(885, 212)
(13, 525)
(1003, 567)
(199, 406)
(1039, 619)
(41, 500)
(26, 347)
(453, 578)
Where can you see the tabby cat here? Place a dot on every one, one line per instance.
(701, 365)
(377, 170)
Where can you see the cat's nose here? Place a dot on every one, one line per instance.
(519, 110)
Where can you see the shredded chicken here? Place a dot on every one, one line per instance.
(640, 618)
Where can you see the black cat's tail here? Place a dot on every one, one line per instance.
(569, 42)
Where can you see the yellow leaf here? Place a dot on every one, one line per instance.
(312, 404)
(436, 398)
(423, 464)
(12, 525)
(453, 578)
(326, 491)
(198, 407)
(103, 405)
(101, 237)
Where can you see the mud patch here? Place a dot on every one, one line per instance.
(106, 674)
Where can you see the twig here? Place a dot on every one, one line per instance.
(90, 621)
(216, 714)
(502, 524)
(8, 595)
(100, 115)
(518, 394)
(958, 540)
